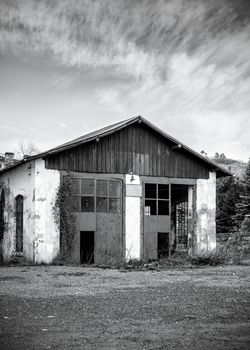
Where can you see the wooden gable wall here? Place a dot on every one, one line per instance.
(137, 149)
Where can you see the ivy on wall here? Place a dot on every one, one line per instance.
(63, 215)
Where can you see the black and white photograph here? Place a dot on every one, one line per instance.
(125, 174)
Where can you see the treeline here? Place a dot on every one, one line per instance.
(233, 201)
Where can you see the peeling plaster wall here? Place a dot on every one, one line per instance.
(47, 240)
(38, 187)
(133, 217)
(18, 181)
(205, 215)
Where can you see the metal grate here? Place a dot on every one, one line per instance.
(181, 225)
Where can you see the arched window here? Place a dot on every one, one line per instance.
(2, 205)
(19, 224)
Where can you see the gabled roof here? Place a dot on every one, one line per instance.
(118, 126)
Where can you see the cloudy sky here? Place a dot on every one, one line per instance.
(69, 67)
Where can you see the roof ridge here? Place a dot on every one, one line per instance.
(92, 134)
(115, 127)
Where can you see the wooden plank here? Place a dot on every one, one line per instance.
(137, 153)
(121, 151)
(135, 148)
(125, 152)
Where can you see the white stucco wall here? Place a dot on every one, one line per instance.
(18, 181)
(133, 217)
(46, 244)
(38, 187)
(205, 214)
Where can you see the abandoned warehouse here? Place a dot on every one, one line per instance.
(136, 193)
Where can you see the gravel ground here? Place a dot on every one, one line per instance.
(58, 307)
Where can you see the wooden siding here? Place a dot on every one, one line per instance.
(136, 149)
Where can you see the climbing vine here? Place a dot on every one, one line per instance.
(63, 215)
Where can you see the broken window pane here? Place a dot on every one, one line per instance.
(163, 207)
(114, 188)
(101, 204)
(114, 205)
(163, 191)
(150, 191)
(101, 188)
(87, 204)
(88, 186)
(150, 207)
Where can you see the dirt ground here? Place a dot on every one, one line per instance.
(57, 307)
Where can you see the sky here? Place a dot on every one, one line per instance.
(69, 67)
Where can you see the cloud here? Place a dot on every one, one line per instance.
(137, 38)
(186, 61)
(64, 126)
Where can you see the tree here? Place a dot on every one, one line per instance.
(228, 191)
(27, 149)
(216, 155)
(204, 153)
(243, 205)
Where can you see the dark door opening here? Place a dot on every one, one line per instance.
(163, 245)
(87, 245)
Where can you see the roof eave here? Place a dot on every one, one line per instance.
(214, 167)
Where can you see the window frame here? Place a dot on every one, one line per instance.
(108, 196)
(157, 199)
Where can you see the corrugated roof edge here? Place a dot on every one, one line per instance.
(115, 127)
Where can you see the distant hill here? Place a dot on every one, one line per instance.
(236, 167)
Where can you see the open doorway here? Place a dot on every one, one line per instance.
(163, 245)
(179, 218)
(87, 245)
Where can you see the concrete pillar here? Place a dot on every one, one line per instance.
(205, 229)
(133, 217)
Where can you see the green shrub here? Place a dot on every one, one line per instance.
(216, 257)
(232, 252)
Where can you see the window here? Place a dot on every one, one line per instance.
(2, 205)
(19, 224)
(102, 196)
(150, 207)
(115, 194)
(87, 191)
(156, 199)
(108, 196)
(96, 195)
(87, 204)
(151, 191)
